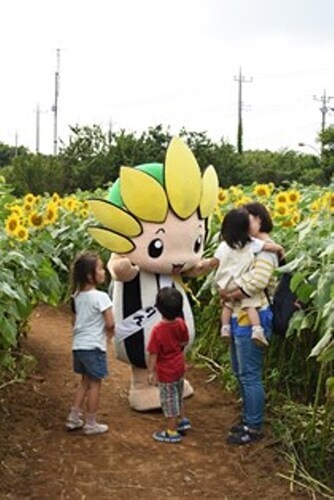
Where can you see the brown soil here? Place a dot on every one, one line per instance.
(40, 460)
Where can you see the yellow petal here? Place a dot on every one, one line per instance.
(143, 195)
(182, 178)
(115, 218)
(209, 196)
(110, 240)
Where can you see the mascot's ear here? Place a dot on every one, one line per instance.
(209, 196)
(137, 188)
(110, 240)
(182, 179)
(115, 218)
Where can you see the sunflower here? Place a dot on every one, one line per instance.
(70, 204)
(27, 206)
(29, 198)
(51, 214)
(293, 196)
(242, 201)
(281, 197)
(236, 192)
(295, 217)
(223, 196)
(281, 209)
(316, 206)
(36, 220)
(85, 205)
(84, 213)
(329, 201)
(21, 233)
(56, 198)
(262, 190)
(12, 224)
(16, 209)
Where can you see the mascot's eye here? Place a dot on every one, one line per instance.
(198, 244)
(155, 248)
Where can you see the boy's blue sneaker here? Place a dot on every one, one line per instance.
(184, 425)
(167, 437)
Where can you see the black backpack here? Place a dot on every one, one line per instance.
(283, 305)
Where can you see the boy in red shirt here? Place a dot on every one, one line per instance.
(166, 363)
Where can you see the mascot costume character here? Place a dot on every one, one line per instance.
(154, 223)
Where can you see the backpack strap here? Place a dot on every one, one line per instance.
(267, 296)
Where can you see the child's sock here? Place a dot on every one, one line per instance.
(225, 332)
(75, 413)
(258, 336)
(91, 418)
(172, 432)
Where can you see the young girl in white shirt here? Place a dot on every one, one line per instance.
(93, 326)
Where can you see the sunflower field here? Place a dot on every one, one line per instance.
(40, 235)
(299, 372)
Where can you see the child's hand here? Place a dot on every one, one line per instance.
(152, 378)
(281, 253)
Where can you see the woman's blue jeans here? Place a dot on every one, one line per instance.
(247, 365)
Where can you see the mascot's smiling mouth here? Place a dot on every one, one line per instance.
(177, 268)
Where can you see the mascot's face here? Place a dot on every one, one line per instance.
(170, 247)
(156, 214)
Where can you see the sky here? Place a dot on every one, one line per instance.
(132, 64)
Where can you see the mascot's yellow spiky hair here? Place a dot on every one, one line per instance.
(147, 195)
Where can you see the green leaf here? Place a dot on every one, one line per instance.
(320, 346)
(327, 354)
(7, 290)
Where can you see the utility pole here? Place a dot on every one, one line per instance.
(240, 79)
(38, 112)
(110, 127)
(324, 99)
(55, 106)
(16, 143)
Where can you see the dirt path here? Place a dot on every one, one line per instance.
(40, 460)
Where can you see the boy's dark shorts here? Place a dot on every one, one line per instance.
(92, 363)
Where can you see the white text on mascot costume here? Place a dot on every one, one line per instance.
(154, 223)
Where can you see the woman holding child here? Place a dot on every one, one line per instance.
(247, 355)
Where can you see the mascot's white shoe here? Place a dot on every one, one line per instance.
(143, 396)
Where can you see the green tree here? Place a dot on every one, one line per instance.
(7, 153)
(36, 174)
(327, 139)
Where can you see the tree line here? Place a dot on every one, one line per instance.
(92, 160)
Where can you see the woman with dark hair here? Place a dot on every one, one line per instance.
(246, 356)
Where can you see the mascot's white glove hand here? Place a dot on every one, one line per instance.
(204, 266)
(122, 269)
